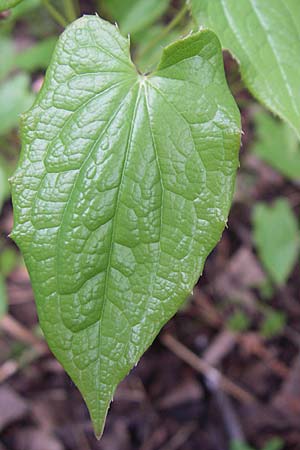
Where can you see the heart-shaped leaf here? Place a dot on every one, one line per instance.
(264, 36)
(123, 188)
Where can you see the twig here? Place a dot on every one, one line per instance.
(220, 347)
(230, 418)
(10, 367)
(70, 10)
(55, 14)
(15, 329)
(180, 437)
(175, 21)
(212, 374)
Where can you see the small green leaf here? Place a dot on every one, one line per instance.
(276, 237)
(240, 445)
(238, 321)
(15, 98)
(3, 297)
(123, 188)
(273, 324)
(263, 36)
(275, 443)
(278, 145)
(133, 16)
(7, 4)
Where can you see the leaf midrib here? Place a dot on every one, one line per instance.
(74, 186)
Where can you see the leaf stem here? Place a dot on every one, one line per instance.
(70, 10)
(56, 15)
(175, 21)
(77, 8)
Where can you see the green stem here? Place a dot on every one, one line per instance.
(55, 14)
(175, 21)
(70, 10)
(77, 8)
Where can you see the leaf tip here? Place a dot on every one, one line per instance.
(98, 426)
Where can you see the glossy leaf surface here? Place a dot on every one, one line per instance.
(276, 236)
(123, 188)
(264, 36)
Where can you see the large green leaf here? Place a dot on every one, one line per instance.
(276, 237)
(277, 144)
(264, 36)
(6, 4)
(134, 15)
(123, 188)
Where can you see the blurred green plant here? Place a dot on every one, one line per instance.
(277, 144)
(147, 54)
(4, 186)
(6, 4)
(134, 16)
(9, 258)
(276, 237)
(275, 443)
(273, 323)
(15, 97)
(20, 10)
(239, 321)
(3, 297)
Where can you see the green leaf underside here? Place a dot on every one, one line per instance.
(264, 36)
(6, 4)
(278, 145)
(276, 237)
(123, 188)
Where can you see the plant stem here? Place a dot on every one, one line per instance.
(70, 10)
(175, 21)
(55, 14)
(77, 8)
